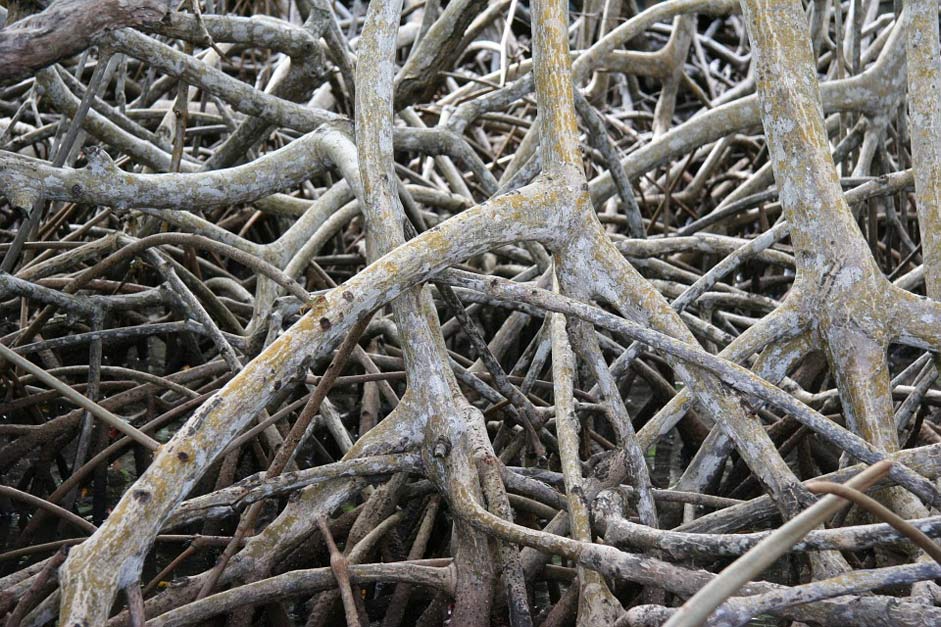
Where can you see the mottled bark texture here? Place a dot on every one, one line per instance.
(470, 313)
(68, 27)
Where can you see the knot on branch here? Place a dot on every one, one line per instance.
(99, 161)
(441, 448)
